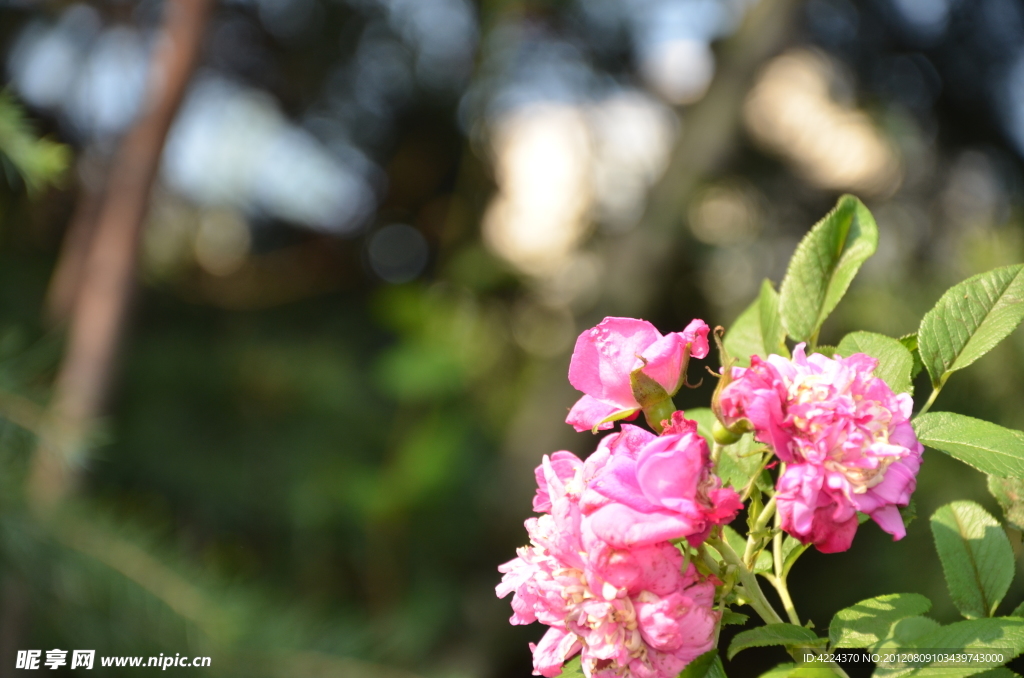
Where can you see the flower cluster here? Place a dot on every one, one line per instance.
(619, 596)
(608, 566)
(844, 435)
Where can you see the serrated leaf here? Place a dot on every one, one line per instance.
(976, 557)
(730, 618)
(708, 665)
(988, 447)
(1001, 633)
(909, 342)
(823, 266)
(969, 319)
(773, 634)
(870, 621)
(743, 337)
(827, 351)
(1009, 492)
(772, 333)
(894, 360)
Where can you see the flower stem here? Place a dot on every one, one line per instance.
(779, 582)
(751, 589)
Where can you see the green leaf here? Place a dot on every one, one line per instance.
(743, 338)
(909, 342)
(976, 557)
(705, 419)
(1002, 633)
(827, 351)
(813, 671)
(772, 332)
(1018, 611)
(574, 668)
(894, 360)
(780, 671)
(1009, 492)
(708, 665)
(791, 550)
(773, 634)
(988, 447)
(730, 618)
(823, 266)
(739, 545)
(907, 631)
(998, 672)
(738, 462)
(870, 621)
(39, 162)
(969, 319)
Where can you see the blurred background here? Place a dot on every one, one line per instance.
(288, 289)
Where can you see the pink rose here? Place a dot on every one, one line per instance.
(606, 355)
(659, 487)
(629, 609)
(845, 436)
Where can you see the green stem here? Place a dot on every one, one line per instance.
(765, 458)
(760, 524)
(751, 589)
(931, 399)
(779, 582)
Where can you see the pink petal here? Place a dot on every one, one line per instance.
(554, 648)
(890, 520)
(604, 356)
(623, 527)
(589, 412)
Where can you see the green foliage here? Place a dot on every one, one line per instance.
(780, 671)
(574, 668)
(976, 558)
(871, 621)
(708, 665)
(789, 635)
(969, 319)
(824, 265)
(1009, 492)
(772, 333)
(909, 342)
(895, 363)
(39, 162)
(739, 544)
(743, 338)
(1001, 633)
(730, 618)
(738, 462)
(988, 447)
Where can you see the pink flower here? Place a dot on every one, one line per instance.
(845, 436)
(605, 356)
(659, 487)
(632, 612)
